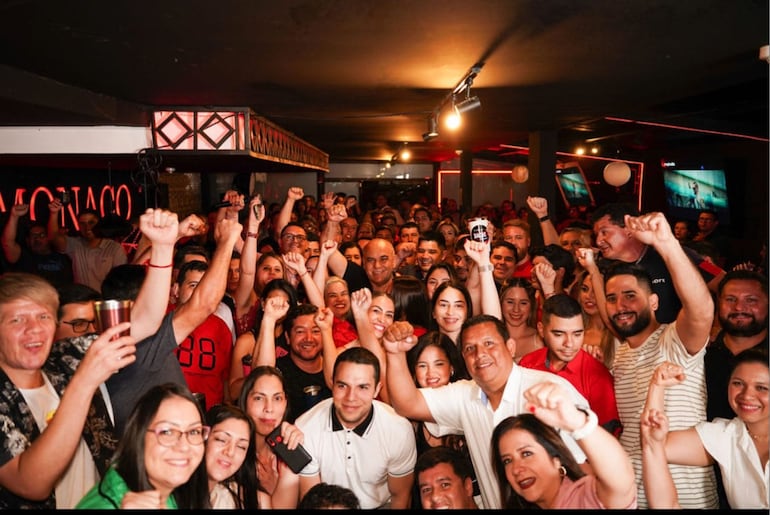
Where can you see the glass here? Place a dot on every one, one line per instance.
(168, 436)
(79, 325)
(294, 237)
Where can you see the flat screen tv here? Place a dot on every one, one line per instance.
(573, 185)
(690, 191)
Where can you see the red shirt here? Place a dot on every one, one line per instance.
(589, 377)
(343, 332)
(523, 270)
(205, 359)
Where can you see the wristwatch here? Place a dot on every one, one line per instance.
(588, 427)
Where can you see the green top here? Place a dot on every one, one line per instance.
(111, 487)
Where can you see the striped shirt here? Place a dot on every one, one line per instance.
(685, 407)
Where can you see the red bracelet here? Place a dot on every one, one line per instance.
(160, 266)
(252, 235)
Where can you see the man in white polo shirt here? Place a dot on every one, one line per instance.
(472, 408)
(356, 441)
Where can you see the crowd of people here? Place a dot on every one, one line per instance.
(314, 354)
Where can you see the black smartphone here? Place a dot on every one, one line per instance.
(296, 459)
(65, 197)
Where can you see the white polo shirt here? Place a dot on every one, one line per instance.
(362, 458)
(463, 408)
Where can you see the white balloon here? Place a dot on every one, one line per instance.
(617, 173)
(520, 173)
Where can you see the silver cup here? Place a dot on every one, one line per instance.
(112, 312)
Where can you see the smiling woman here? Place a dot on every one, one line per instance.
(165, 427)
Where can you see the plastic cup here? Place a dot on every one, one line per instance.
(112, 312)
(478, 229)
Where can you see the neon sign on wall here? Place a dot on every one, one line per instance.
(107, 200)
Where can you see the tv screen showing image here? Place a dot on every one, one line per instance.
(573, 185)
(690, 191)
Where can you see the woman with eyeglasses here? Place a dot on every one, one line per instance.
(159, 460)
(231, 460)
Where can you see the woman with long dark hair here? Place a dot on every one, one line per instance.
(159, 460)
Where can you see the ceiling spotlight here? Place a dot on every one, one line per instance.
(468, 104)
(452, 120)
(405, 153)
(432, 129)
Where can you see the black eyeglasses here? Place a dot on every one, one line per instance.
(169, 437)
(79, 325)
(294, 237)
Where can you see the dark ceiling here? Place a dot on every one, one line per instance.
(356, 78)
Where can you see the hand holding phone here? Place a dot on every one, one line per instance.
(296, 459)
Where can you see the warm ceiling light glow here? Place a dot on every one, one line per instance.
(406, 154)
(580, 151)
(452, 120)
(594, 150)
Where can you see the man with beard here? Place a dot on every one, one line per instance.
(742, 307)
(617, 243)
(631, 306)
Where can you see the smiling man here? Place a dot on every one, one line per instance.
(359, 442)
(470, 407)
(431, 249)
(444, 480)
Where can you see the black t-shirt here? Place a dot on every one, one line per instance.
(717, 364)
(356, 277)
(297, 381)
(55, 267)
(662, 284)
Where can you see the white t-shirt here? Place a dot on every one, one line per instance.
(82, 473)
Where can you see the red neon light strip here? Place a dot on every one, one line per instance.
(689, 129)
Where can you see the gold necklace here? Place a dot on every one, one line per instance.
(756, 437)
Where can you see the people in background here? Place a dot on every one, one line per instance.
(245, 344)
(35, 255)
(303, 365)
(92, 255)
(598, 339)
(517, 233)
(710, 232)
(438, 274)
(519, 309)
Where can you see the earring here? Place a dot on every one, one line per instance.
(562, 471)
